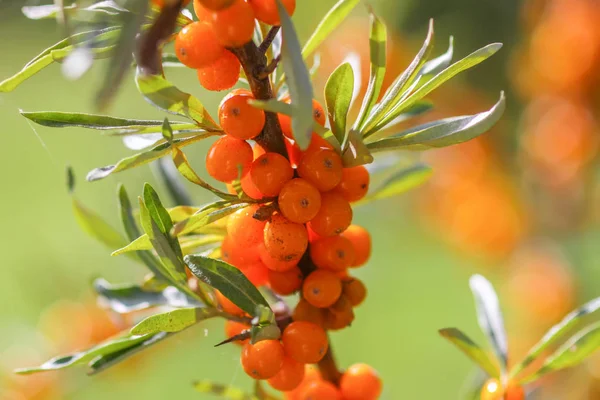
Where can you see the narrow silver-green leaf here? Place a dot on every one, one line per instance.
(173, 321)
(57, 119)
(167, 131)
(471, 350)
(205, 217)
(338, 96)
(401, 182)
(356, 152)
(141, 243)
(439, 63)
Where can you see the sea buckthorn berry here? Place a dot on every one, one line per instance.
(227, 305)
(334, 252)
(312, 235)
(236, 255)
(285, 283)
(354, 290)
(238, 118)
(299, 201)
(322, 168)
(360, 382)
(262, 360)
(245, 230)
(289, 377)
(305, 311)
(258, 151)
(514, 392)
(320, 390)
(334, 216)
(233, 25)
(266, 10)
(285, 121)
(212, 4)
(354, 184)
(340, 315)
(256, 273)
(492, 390)
(311, 374)
(305, 342)
(250, 188)
(274, 264)
(225, 156)
(196, 45)
(234, 328)
(222, 74)
(322, 288)
(294, 152)
(270, 172)
(361, 241)
(285, 240)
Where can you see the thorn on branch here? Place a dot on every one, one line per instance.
(269, 69)
(242, 336)
(271, 35)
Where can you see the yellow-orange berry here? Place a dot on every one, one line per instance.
(196, 45)
(249, 188)
(360, 382)
(266, 10)
(311, 374)
(354, 184)
(285, 121)
(289, 377)
(262, 360)
(354, 290)
(275, 264)
(236, 255)
(320, 390)
(334, 252)
(238, 118)
(340, 315)
(213, 5)
(234, 328)
(233, 25)
(256, 273)
(361, 241)
(334, 216)
(322, 288)
(270, 172)
(285, 240)
(322, 168)
(227, 305)
(245, 230)
(225, 156)
(299, 201)
(285, 283)
(514, 392)
(305, 311)
(222, 74)
(492, 390)
(305, 342)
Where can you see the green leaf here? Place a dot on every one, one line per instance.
(556, 334)
(141, 243)
(338, 96)
(471, 350)
(173, 321)
(468, 62)
(573, 352)
(96, 227)
(224, 391)
(445, 132)
(108, 347)
(490, 317)
(378, 54)
(297, 79)
(439, 63)
(171, 179)
(399, 88)
(356, 152)
(162, 94)
(186, 170)
(401, 182)
(128, 298)
(167, 131)
(206, 216)
(273, 105)
(229, 280)
(142, 158)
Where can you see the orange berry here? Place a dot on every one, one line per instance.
(311, 374)
(266, 10)
(258, 151)
(270, 172)
(334, 216)
(250, 189)
(285, 121)
(196, 45)
(245, 230)
(238, 118)
(334, 252)
(320, 390)
(322, 167)
(225, 156)
(285, 283)
(305, 342)
(285, 240)
(236, 255)
(274, 264)
(234, 328)
(256, 273)
(354, 184)
(227, 305)
(305, 311)
(262, 360)
(514, 392)
(340, 315)
(312, 235)
(293, 151)
(354, 290)
(212, 4)
(233, 25)
(361, 241)
(360, 382)
(322, 288)
(222, 74)
(492, 390)
(299, 201)
(289, 377)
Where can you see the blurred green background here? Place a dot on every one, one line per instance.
(417, 281)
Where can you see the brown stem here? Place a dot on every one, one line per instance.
(254, 63)
(270, 68)
(271, 35)
(328, 367)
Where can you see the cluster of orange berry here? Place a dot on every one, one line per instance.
(223, 24)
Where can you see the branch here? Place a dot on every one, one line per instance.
(264, 46)
(328, 367)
